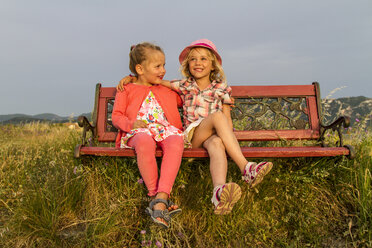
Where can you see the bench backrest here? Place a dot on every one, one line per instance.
(264, 113)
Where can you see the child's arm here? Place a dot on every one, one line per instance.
(226, 109)
(133, 79)
(166, 83)
(124, 81)
(119, 118)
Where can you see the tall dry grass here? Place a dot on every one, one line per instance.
(50, 199)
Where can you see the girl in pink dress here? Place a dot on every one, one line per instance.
(147, 116)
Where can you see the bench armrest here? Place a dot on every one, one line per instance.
(85, 124)
(343, 121)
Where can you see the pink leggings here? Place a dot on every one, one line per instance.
(145, 146)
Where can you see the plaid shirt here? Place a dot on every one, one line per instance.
(200, 103)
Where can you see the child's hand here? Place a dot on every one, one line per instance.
(124, 81)
(139, 124)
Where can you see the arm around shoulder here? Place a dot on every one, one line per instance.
(173, 86)
(166, 83)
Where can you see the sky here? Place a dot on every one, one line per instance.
(53, 53)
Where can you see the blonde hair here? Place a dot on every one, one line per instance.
(139, 53)
(217, 74)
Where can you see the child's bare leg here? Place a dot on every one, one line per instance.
(217, 123)
(224, 195)
(218, 159)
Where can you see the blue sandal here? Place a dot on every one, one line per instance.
(174, 211)
(163, 214)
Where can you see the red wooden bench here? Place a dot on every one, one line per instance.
(261, 113)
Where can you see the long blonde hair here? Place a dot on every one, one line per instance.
(139, 53)
(217, 74)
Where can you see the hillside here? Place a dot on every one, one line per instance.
(357, 108)
(47, 117)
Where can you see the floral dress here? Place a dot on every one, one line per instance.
(153, 115)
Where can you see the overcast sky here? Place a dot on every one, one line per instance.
(52, 53)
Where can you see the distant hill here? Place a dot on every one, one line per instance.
(358, 107)
(47, 117)
(23, 119)
(8, 117)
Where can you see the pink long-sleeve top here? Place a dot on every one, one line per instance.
(128, 102)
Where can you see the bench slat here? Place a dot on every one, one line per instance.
(259, 135)
(268, 135)
(249, 152)
(251, 90)
(273, 90)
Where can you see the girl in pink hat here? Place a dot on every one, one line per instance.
(207, 121)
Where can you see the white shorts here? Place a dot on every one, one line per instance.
(189, 132)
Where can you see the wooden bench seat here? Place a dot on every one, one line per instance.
(260, 114)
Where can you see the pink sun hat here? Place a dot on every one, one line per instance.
(200, 43)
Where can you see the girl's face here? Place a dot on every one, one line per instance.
(200, 63)
(152, 70)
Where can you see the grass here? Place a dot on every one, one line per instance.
(50, 199)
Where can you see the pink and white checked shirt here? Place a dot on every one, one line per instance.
(200, 103)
